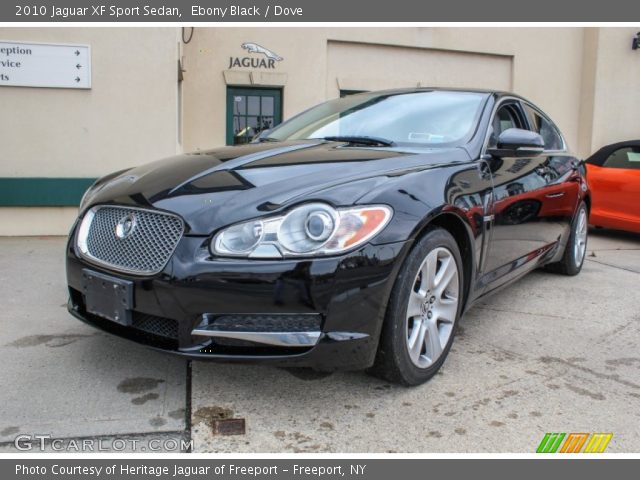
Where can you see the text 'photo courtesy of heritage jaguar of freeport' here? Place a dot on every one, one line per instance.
(353, 236)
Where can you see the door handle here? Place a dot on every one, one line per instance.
(555, 195)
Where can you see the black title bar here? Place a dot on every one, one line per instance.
(195, 11)
(308, 469)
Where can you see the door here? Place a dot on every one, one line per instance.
(615, 186)
(250, 111)
(521, 232)
(560, 171)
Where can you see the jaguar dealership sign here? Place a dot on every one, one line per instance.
(258, 57)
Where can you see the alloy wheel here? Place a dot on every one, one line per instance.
(580, 242)
(432, 307)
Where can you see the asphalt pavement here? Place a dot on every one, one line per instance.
(548, 354)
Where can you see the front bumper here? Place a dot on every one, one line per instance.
(345, 296)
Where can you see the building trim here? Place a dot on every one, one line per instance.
(42, 192)
(433, 48)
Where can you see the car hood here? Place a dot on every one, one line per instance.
(214, 188)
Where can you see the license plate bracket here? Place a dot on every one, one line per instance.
(108, 297)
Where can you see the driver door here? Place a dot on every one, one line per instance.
(519, 233)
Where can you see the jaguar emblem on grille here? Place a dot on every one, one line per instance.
(126, 226)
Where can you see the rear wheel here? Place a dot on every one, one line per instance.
(576, 248)
(423, 311)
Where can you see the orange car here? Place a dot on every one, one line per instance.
(613, 173)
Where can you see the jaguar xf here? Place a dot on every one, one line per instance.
(353, 236)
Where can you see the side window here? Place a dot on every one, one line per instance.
(507, 116)
(548, 132)
(628, 157)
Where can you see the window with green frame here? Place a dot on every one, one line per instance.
(250, 111)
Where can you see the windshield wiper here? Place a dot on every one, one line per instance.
(360, 140)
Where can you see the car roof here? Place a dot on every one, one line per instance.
(499, 93)
(600, 155)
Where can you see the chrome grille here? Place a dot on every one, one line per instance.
(142, 248)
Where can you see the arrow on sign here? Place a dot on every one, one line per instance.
(77, 79)
(77, 52)
(78, 66)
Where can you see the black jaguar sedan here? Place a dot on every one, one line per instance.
(353, 236)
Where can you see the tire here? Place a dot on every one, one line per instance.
(418, 308)
(576, 249)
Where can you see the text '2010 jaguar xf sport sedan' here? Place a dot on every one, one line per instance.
(352, 236)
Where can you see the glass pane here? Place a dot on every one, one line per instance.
(551, 137)
(633, 157)
(239, 124)
(239, 130)
(442, 118)
(252, 122)
(266, 123)
(240, 105)
(624, 158)
(533, 117)
(252, 126)
(267, 106)
(254, 106)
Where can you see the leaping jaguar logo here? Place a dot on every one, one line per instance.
(255, 48)
(126, 226)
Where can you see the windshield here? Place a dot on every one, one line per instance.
(433, 118)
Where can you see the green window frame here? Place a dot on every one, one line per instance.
(251, 110)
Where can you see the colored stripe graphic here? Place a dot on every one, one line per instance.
(550, 442)
(574, 442)
(598, 442)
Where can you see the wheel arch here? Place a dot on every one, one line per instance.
(587, 201)
(456, 224)
(454, 221)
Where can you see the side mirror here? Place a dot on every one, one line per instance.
(516, 142)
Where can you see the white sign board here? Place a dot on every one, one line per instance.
(44, 65)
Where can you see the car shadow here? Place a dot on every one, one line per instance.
(614, 234)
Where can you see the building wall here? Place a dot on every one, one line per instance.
(128, 117)
(349, 67)
(584, 78)
(616, 91)
(547, 66)
(587, 90)
(318, 62)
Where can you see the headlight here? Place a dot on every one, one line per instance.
(310, 229)
(241, 238)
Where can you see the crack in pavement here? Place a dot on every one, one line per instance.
(614, 249)
(590, 259)
(604, 376)
(607, 336)
(493, 309)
